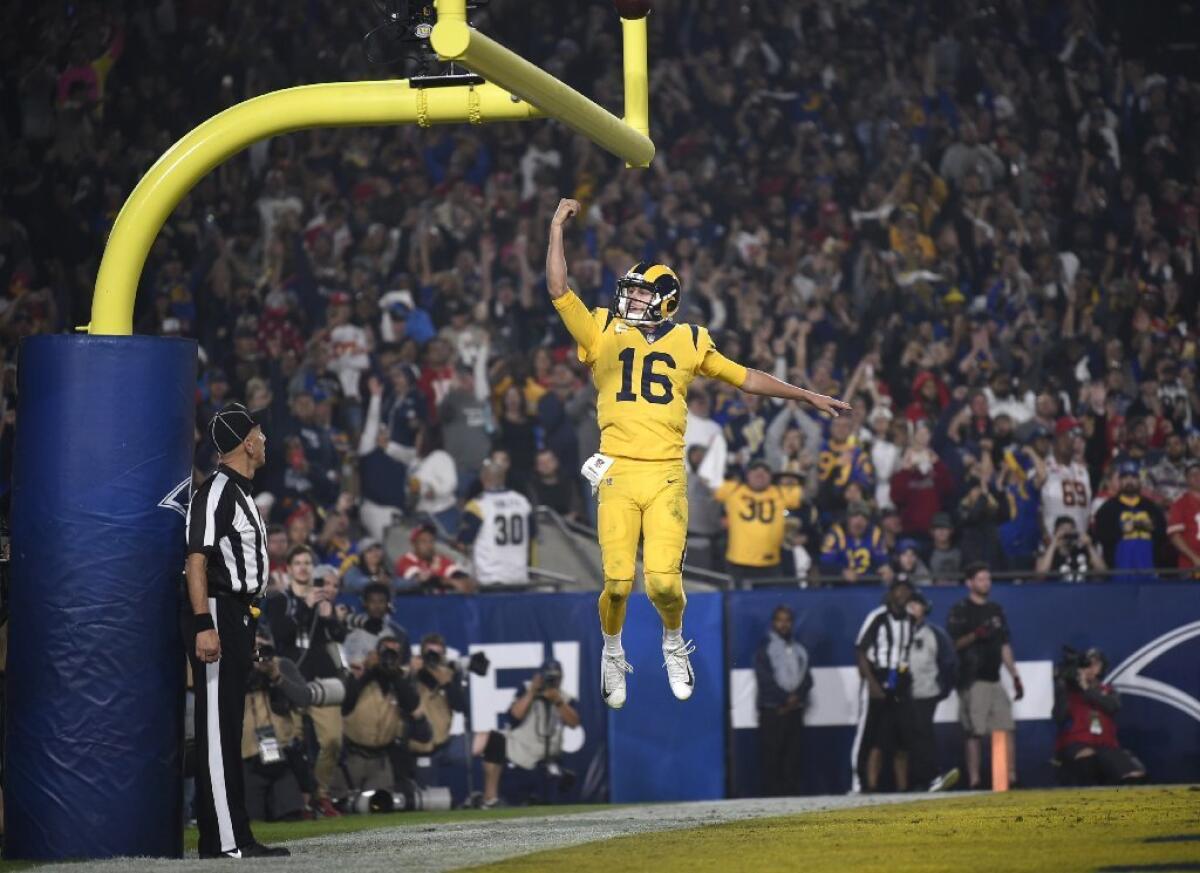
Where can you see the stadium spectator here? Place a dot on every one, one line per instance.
(1183, 523)
(500, 529)
(1085, 709)
(884, 649)
(433, 479)
(908, 566)
(945, 558)
(754, 515)
(374, 623)
(1131, 529)
(855, 549)
(368, 565)
(922, 484)
(1070, 556)
(552, 488)
(981, 636)
(424, 570)
(1066, 489)
(784, 680)
(933, 663)
(381, 468)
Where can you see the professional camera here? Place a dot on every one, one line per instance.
(264, 652)
(1072, 661)
(327, 692)
(408, 796)
(552, 676)
(389, 659)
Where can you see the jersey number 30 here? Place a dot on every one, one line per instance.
(656, 387)
(510, 530)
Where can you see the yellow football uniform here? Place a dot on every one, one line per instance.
(756, 521)
(641, 383)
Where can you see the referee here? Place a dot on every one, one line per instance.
(227, 570)
(883, 647)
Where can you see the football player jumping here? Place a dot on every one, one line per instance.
(642, 363)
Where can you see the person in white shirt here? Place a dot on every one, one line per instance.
(1002, 397)
(1067, 489)
(434, 479)
(499, 528)
(701, 429)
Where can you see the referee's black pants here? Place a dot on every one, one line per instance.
(220, 706)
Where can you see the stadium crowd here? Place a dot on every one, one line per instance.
(978, 222)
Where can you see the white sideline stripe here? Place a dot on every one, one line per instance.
(835, 697)
(216, 761)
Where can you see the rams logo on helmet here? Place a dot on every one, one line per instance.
(648, 294)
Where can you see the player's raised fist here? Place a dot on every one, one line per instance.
(567, 209)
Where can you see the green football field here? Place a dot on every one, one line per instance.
(1119, 829)
(1133, 829)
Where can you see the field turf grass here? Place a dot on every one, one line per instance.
(1052, 831)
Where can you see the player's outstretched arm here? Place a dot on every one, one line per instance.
(574, 313)
(758, 382)
(556, 260)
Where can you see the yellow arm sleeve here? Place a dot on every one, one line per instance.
(715, 365)
(580, 323)
(725, 491)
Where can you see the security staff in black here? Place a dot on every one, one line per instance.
(227, 571)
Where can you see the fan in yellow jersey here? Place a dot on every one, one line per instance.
(754, 511)
(642, 364)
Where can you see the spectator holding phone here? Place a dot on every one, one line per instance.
(307, 630)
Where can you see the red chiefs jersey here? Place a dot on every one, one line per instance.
(1184, 519)
(409, 566)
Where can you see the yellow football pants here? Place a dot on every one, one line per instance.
(647, 500)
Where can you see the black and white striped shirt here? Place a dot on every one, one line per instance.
(223, 523)
(886, 639)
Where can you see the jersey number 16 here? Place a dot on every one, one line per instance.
(656, 387)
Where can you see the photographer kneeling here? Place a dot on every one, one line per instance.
(277, 773)
(534, 741)
(380, 708)
(1084, 707)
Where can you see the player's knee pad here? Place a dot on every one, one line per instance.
(496, 749)
(617, 590)
(665, 590)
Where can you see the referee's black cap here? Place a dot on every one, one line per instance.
(230, 427)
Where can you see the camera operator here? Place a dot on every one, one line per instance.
(540, 714)
(1070, 556)
(442, 691)
(278, 775)
(306, 630)
(1085, 710)
(380, 708)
